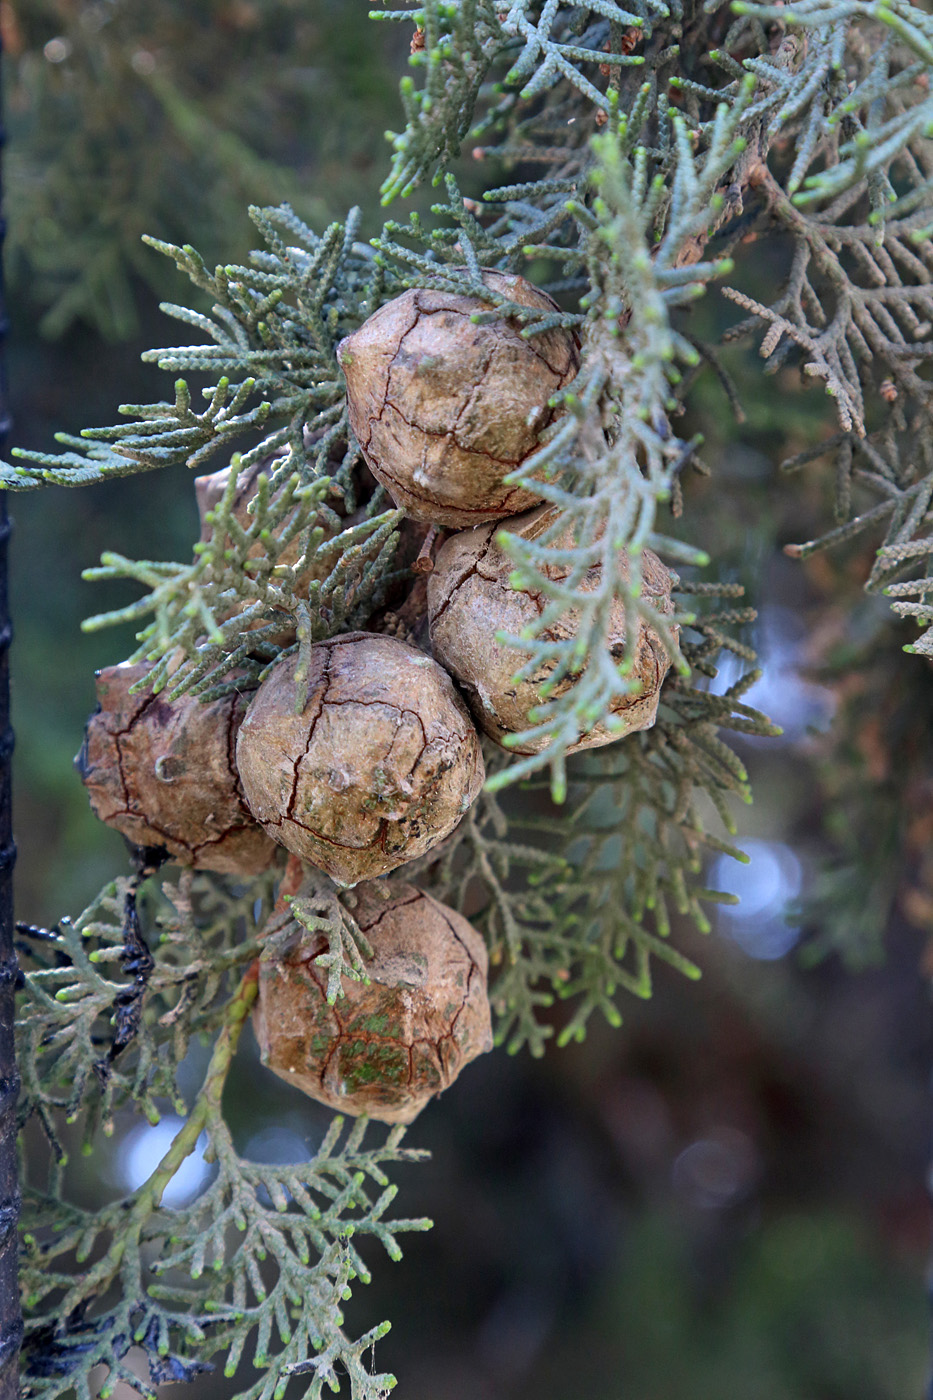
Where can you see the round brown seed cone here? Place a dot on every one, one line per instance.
(379, 766)
(444, 409)
(470, 599)
(162, 773)
(386, 1048)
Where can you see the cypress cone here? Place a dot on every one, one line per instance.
(444, 409)
(162, 773)
(387, 1046)
(471, 599)
(378, 766)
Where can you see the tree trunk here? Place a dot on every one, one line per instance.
(11, 1322)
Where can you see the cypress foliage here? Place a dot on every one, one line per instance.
(644, 150)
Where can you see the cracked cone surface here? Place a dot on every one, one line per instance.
(379, 766)
(470, 599)
(386, 1048)
(444, 409)
(162, 772)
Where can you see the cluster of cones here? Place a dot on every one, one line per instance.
(383, 759)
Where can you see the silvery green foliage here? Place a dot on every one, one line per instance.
(85, 981)
(269, 349)
(227, 609)
(648, 143)
(261, 1260)
(460, 42)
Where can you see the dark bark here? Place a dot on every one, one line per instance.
(11, 1323)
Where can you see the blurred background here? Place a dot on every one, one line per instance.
(726, 1197)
